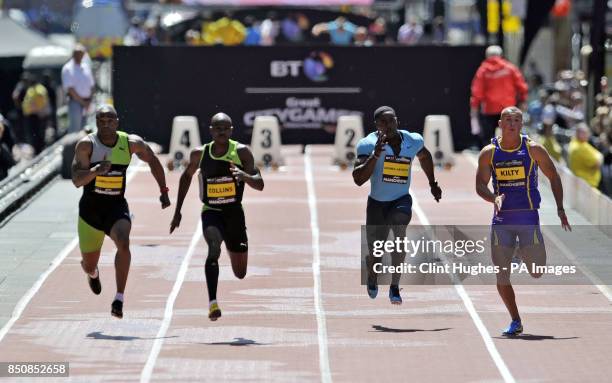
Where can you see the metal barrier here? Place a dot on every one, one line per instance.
(30, 177)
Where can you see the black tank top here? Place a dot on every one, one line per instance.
(218, 188)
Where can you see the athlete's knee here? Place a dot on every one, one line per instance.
(240, 272)
(536, 275)
(213, 237)
(212, 262)
(503, 278)
(400, 218)
(123, 244)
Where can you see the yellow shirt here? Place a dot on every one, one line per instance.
(35, 101)
(224, 31)
(585, 161)
(552, 147)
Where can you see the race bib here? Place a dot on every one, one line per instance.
(510, 173)
(220, 190)
(109, 184)
(396, 169)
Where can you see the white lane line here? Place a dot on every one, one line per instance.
(316, 270)
(469, 305)
(597, 282)
(147, 371)
(25, 300)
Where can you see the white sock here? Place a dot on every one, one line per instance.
(119, 297)
(94, 275)
(212, 302)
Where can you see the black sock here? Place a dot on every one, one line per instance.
(211, 270)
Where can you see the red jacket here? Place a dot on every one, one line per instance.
(496, 85)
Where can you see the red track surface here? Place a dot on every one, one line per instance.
(272, 328)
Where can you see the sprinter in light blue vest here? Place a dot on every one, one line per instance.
(384, 157)
(512, 160)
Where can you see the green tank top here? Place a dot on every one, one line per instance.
(112, 184)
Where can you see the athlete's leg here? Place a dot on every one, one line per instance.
(120, 234)
(213, 237)
(502, 257)
(90, 243)
(399, 220)
(532, 249)
(239, 262)
(236, 240)
(376, 230)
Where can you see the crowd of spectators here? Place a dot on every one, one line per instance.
(558, 112)
(295, 27)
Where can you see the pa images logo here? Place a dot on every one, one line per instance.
(317, 65)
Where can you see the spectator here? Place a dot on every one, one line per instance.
(378, 30)
(583, 159)
(574, 113)
(536, 107)
(36, 110)
(50, 86)
(549, 142)
(439, 30)
(410, 33)
(496, 85)
(78, 83)
(151, 34)
(6, 148)
(340, 31)
(136, 35)
(225, 31)
(18, 95)
(291, 30)
(269, 30)
(192, 37)
(362, 39)
(253, 32)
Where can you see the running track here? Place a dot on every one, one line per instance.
(301, 315)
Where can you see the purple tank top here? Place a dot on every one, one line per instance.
(515, 174)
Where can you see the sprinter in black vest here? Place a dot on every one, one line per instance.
(225, 166)
(100, 164)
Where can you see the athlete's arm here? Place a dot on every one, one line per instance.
(542, 158)
(144, 152)
(365, 165)
(184, 182)
(251, 174)
(483, 174)
(427, 165)
(82, 174)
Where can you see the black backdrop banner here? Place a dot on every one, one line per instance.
(307, 88)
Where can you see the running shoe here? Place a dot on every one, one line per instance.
(394, 295)
(515, 328)
(372, 287)
(94, 283)
(214, 312)
(117, 309)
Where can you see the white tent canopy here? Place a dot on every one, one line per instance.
(46, 56)
(17, 40)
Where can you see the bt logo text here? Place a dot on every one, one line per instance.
(285, 68)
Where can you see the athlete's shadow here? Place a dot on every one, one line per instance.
(379, 328)
(99, 335)
(237, 342)
(535, 337)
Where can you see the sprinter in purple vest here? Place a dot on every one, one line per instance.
(512, 160)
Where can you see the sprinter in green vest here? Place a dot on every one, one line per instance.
(225, 166)
(100, 163)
